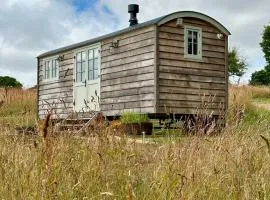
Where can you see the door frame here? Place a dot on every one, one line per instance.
(85, 48)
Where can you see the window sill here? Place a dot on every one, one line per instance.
(193, 58)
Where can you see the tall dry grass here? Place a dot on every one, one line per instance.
(17, 107)
(232, 165)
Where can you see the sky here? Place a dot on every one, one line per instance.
(31, 27)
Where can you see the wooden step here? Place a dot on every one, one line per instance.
(77, 123)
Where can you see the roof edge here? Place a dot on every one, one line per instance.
(194, 14)
(99, 38)
(157, 21)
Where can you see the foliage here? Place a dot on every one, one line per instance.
(6, 81)
(133, 117)
(236, 65)
(265, 44)
(262, 77)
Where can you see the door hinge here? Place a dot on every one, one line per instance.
(74, 103)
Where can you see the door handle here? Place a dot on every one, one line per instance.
(85, 83)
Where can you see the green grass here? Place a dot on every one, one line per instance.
(255, 114)
(132, 117)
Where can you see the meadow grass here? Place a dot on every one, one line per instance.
(17, 108)
(231, 165)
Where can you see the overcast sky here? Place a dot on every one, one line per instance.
(30, 27)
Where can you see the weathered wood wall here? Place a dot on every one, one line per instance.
(184, 85)
(56, 95)
(127, 73)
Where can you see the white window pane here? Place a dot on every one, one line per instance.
(52, 68)
(52, 72)
(49, 69)
(83, 66)
(90, 69)
(56, 68)
(82, 76)
(96, 74)
(90, 65)
(90, 75)
(79, 67)
(90, 54)
(79, 57)
(83, 56)
(96, 63)
(96, 53)
(78, 77)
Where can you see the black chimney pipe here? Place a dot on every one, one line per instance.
(133, 9)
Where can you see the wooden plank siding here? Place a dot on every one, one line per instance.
(186, 86)
(56, 96)
(147, 72)
(127, 73)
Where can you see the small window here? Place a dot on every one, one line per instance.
(51, 69)
(193, 42)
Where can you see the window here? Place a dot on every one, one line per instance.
(51, 71)
(193, 42)
(87, 62)
(93, 73)
(80, 65)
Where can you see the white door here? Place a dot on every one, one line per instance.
(87, 80)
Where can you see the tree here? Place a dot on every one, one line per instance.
(6, 81)
(262, 77)
(236, 64)
(265, 44)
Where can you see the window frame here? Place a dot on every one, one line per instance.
(52, 70)
(199, 42)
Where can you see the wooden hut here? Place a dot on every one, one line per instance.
(171, 64)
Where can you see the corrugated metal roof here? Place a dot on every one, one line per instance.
(135, 27)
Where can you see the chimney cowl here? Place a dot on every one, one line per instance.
(133, 9)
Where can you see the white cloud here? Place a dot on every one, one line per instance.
(29, 27)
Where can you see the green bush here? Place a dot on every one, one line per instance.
(132, 117)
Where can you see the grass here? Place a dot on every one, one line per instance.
(17, 108)
(232, 165)
(132, 117)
